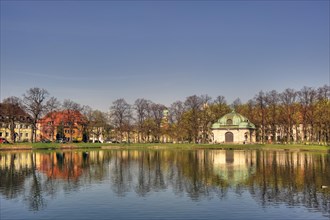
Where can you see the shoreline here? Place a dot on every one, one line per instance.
(160, 146)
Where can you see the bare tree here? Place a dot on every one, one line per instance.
(120, 113)
(288, 98)
(34, 101)
(72, 110)
(98, 123)
(219, 108)
(157, 116)
(205, 117)
(141, 107)
(177, 111)
(323, 92)
(236, 104)
(260, 101)
(272, 99)
(322, 114)
(307, 98)
(52, 105)
(193, 104)
(220, 100)
(87, 111)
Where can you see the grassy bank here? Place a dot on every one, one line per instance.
(50, 146)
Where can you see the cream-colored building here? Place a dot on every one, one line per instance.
(15, 123)
(22, 131)
(233, 128)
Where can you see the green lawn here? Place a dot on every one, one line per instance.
(293, 147)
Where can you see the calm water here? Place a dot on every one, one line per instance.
(164, 184)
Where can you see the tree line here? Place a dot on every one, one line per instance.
(291, 115)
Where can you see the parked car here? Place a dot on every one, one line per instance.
(3, 141)
(61, 140)
(111, 141)
(45, 141)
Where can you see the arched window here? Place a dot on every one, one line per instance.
(246, 136)
(229, 137)
(229, 122)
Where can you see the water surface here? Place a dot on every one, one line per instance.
(164, 184)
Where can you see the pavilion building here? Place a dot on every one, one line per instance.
(233, 128)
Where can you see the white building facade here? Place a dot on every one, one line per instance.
(233, 128)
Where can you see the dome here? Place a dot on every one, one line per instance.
(233, 120)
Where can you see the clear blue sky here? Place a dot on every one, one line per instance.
(94, 52)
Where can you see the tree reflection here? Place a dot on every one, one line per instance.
(271, 177)
(292, 179)
(120, 173)
(144, 175)
(35, 198)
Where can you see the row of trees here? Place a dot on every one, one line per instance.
(302, 115)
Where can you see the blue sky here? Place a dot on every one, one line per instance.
(94, 52)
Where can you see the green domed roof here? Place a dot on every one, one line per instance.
(233, 120)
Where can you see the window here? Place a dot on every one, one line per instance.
(229, 122)
(7, 134)
(26, 134)
(0, 134)
(229, 137)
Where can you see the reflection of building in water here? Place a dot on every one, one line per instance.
(63, 165)
(55, 165)
(294, 159)
(17, 161)
(234, 166)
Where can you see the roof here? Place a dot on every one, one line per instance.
(58, 117)
(233, 120)
(11, 111)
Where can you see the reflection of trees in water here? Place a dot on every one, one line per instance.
(34, 177)
(271, 177)
(35, 199)
(290, 183)
(144, 175)
(121, 177)
(11, 179)
(155, 171)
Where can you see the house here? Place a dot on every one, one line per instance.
(233, 128)
(15, 123)
(67, 124)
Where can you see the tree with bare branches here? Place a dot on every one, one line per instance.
(141, 107)
(288, 99)
(193, 105)
(72, 115)
(34, 101)
(121, 114)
